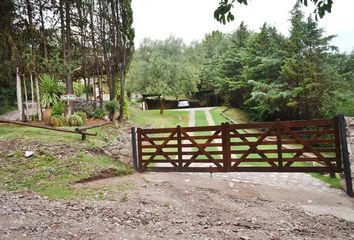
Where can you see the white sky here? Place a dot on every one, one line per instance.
(192, 19)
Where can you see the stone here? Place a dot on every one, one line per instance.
(29, 154)
(245, 238)
(10, 154)
(124, 152)
(114, 151)
(108, 153)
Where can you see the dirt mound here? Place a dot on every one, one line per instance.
(103, 174)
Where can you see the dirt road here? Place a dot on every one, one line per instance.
(175, 206)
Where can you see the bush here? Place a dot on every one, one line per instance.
(57, 121)
(90, 112)
(7, 99)
(75, 120)
(50, 90)
(99, 113)
(79, 89)
(83, 116)
(58, 108)
(34, 117)
(111, 107)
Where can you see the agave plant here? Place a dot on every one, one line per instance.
(50, 90)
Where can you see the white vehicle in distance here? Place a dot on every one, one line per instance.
(183, 104)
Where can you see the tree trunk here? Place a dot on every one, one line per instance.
(32, 94)
(43, 37)
(162, 104)
(121, 97)
(38, 98)
(69, 79)
(26, 98)
(19, 95)
(82, 25)
(93, 41)
(100, 91)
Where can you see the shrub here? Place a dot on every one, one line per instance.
(99, 113)
(57, 120)
(61, 88)
(83, 116)
(34, 117)
(111, 107)
(50, 90)
(90, 112)
(58, 108)
(75, 120)
(79, 89)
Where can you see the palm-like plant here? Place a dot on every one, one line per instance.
(50, 90)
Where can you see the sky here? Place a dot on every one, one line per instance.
(191, 20)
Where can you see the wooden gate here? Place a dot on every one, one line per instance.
(279, 146)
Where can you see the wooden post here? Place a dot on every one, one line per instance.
(135, 156)
(279, 146)
(19, 94)
(140, 151)
(225, 137)
(179, 147)
(345, 156)
(38, 98)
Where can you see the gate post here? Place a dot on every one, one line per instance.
(279, 145)
(345, 155)
(134, 149)
(225, 138)
(179, 148)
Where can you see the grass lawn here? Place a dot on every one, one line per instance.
(53, 178)
(169, 118)
(235, 114)
(50, 173)
(153, 118)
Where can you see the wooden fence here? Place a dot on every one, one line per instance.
(279, 146)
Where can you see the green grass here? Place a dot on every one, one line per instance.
(218, 118)
(200, 118)
(48, 175)
(333, 182)
(235, 114)
(54, 178)
(153, 118)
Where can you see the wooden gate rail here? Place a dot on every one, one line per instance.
(81, 131)
(279, 146)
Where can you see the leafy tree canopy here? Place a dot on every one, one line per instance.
(223, 12)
